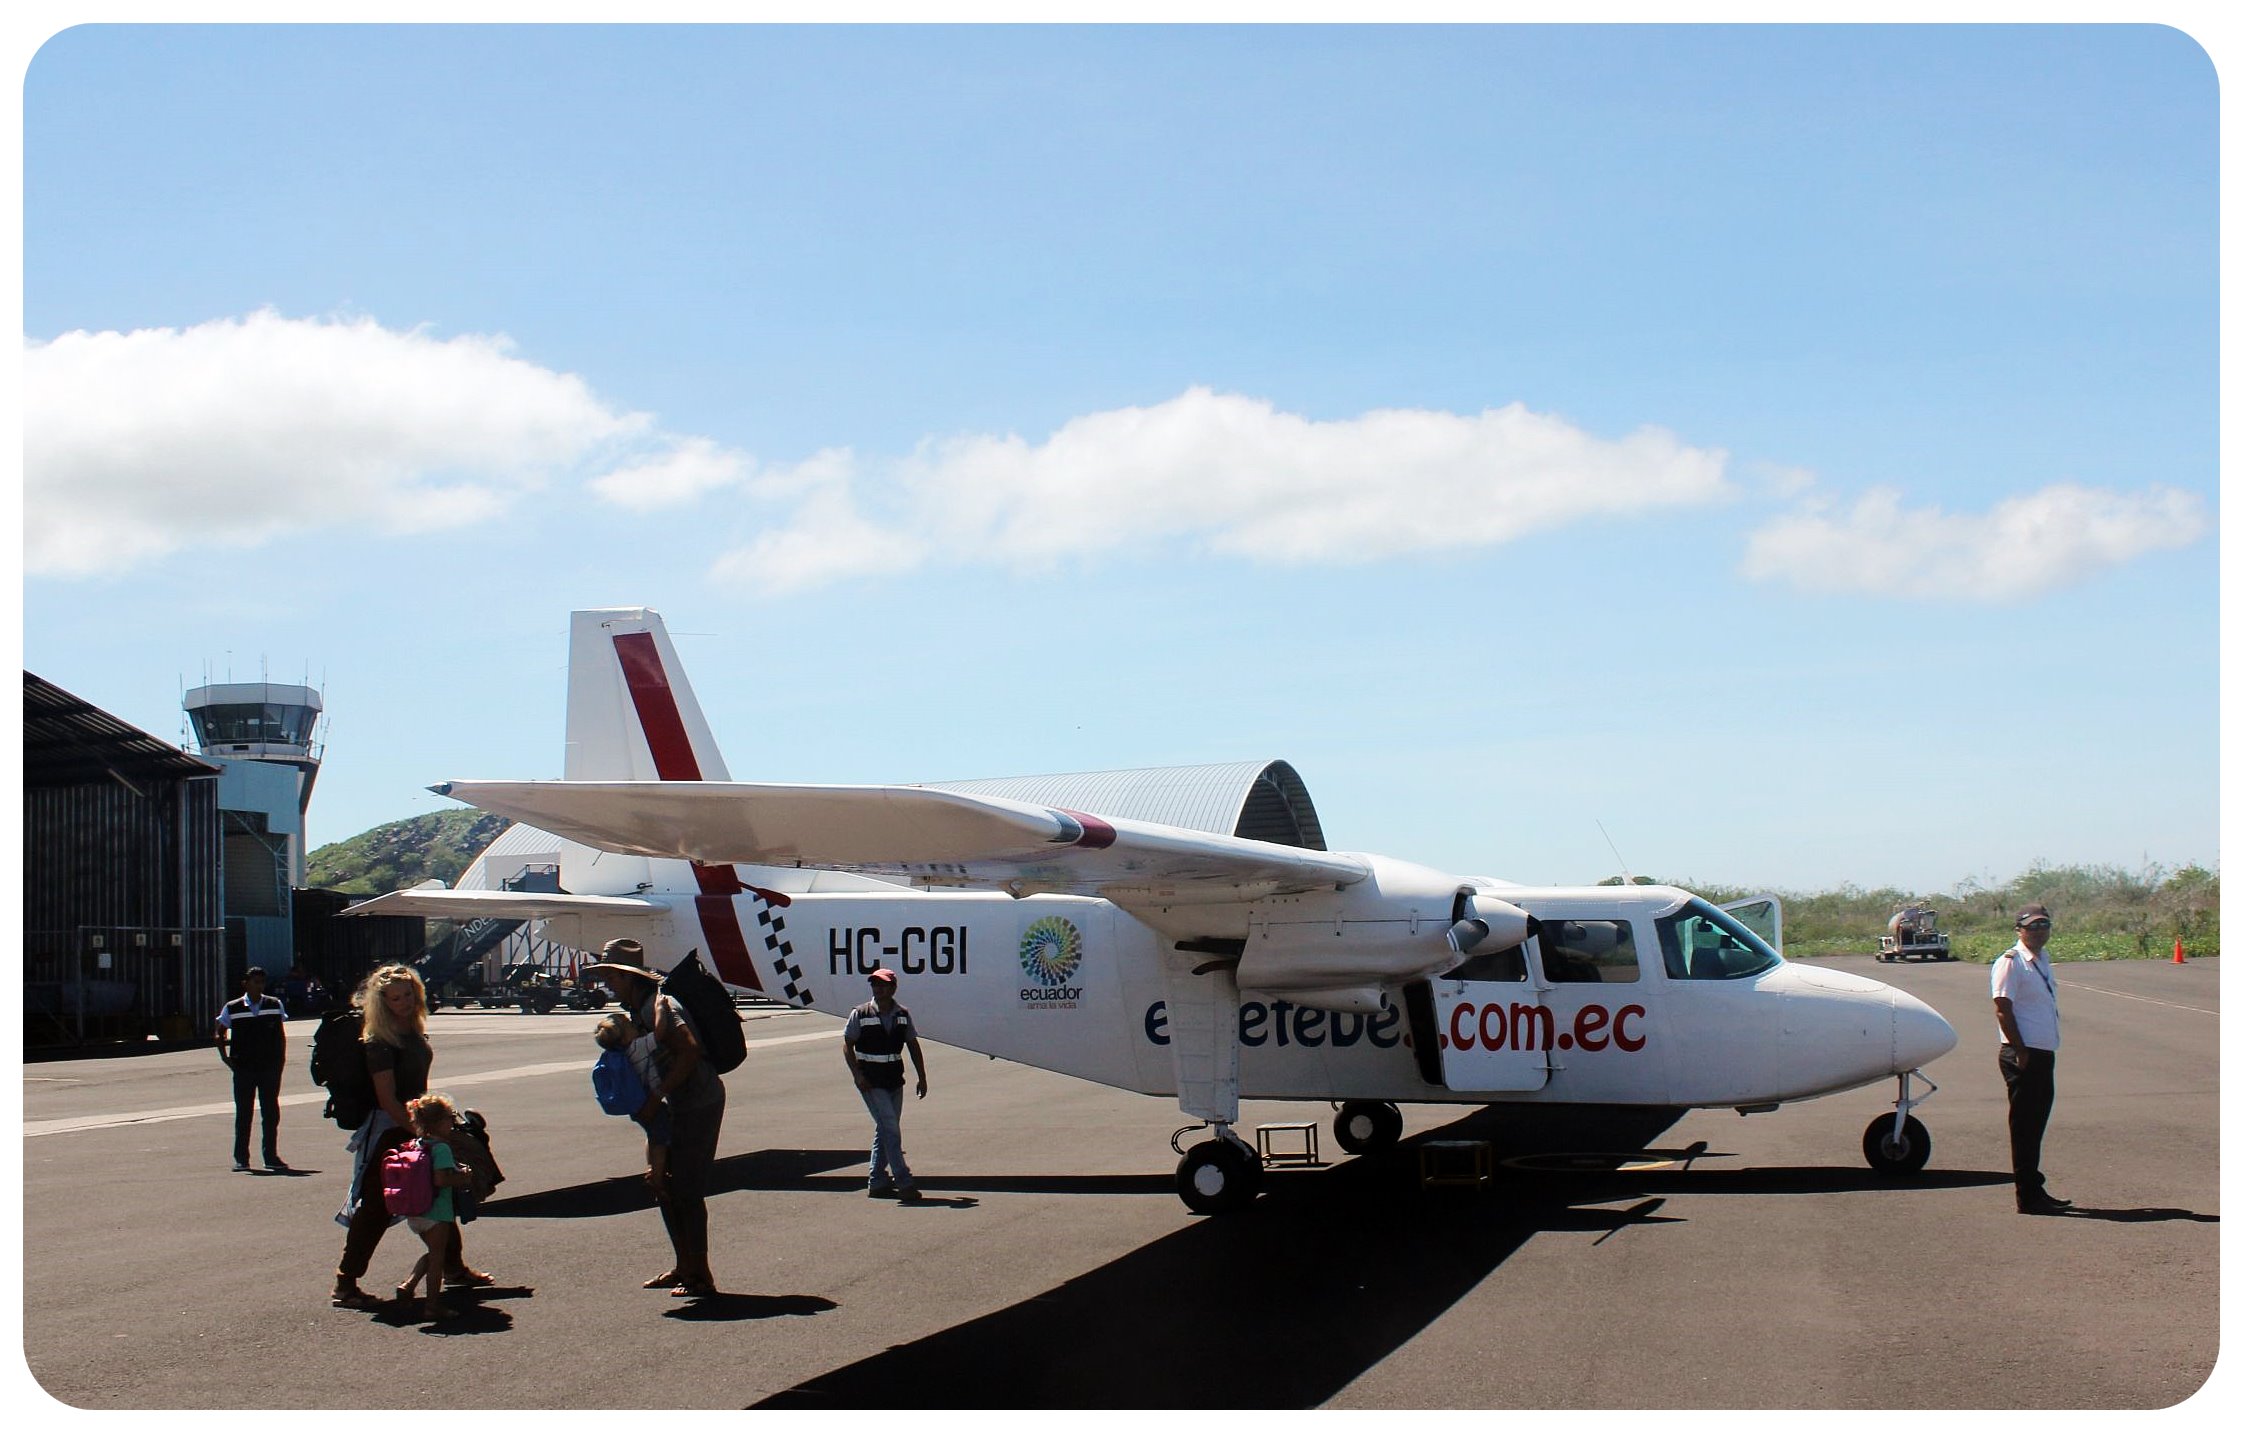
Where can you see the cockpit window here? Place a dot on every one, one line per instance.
(1702, 942)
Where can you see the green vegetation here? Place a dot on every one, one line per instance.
(437, 846)
(2101, 913)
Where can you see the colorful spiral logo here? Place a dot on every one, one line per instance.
(1052, 951)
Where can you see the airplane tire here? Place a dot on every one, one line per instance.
(1367, 1127)
(1218, 1177)
(1896, 1157)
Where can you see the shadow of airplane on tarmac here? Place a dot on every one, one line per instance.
(1281, 1308)
(1333, 1270)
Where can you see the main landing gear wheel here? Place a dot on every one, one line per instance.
(1896, 1154)
(1367, 1126)
(1218, 1176)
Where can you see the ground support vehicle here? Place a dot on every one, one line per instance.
(1913, 934)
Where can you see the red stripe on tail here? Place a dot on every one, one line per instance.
(672, 749)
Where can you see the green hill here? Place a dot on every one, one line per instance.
(437, 846)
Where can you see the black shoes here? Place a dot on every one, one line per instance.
(2044, 1204)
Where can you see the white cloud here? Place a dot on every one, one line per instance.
(692, 468)
(239, 431)
(2025, 546)
(1228, 473)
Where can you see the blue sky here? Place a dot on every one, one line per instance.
(1794, 449)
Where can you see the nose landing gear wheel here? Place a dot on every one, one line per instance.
(1896, 1154)
(1367, 1126)
(1218, 1177)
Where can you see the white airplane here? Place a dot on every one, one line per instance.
(1116, 926)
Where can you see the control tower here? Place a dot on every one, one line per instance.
(263, 736)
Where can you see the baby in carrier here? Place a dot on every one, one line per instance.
(625, 1075)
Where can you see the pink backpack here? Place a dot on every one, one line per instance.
(409, 1178)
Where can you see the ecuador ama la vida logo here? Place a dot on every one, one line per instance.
(1051, 953)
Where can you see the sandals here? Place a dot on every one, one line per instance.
(350, 1296)
(693, 1291)
(469, 1279)
(669, 1279)
(405, 1292)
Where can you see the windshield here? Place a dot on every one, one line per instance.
(1702, 942)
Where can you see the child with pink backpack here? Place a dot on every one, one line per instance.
(418, 1178)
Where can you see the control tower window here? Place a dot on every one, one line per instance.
(254, 722)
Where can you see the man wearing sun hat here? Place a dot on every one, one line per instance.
(2025, 1009)
(873, 1041)
(694, 1096)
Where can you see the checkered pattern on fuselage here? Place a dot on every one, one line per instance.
(791, 985)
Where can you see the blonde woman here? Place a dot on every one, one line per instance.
(398, 1056)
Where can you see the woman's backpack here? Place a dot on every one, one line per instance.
(339, 1064)
(408, 1179)
(709, 1009)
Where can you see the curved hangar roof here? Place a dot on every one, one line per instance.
(1259, 800)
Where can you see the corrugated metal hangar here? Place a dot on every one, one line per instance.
(153, 878)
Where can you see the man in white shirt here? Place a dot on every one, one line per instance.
(2025, 1008)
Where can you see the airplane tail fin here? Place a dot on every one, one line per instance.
(632, 715)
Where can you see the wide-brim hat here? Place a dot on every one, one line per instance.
(623, 957)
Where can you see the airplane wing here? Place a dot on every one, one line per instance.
(443, 903)
(914, 832)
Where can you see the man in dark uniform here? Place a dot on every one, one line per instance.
(253, 1041)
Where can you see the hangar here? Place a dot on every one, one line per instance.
(153, 877)
(124, 931)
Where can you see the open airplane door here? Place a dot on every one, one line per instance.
(1494, 1030)
(1763, 916)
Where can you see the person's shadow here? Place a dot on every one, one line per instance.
(732, 1308)
(2143, 1215)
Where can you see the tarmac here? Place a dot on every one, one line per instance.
(1618, 1260)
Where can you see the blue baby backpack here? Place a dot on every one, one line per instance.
(616, 1084)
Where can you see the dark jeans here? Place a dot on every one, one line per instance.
(685, 1196)
(256, 1085)
(2032, 1094)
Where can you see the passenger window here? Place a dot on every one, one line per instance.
(1588, 951)
(1507, 964)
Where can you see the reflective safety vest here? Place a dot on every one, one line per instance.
(880, 1047)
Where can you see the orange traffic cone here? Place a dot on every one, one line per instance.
(2178, 958)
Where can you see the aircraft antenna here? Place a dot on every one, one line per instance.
(1625, 874)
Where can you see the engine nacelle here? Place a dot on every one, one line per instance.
(1338, 949)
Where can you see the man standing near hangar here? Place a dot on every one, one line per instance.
(253, 1042)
